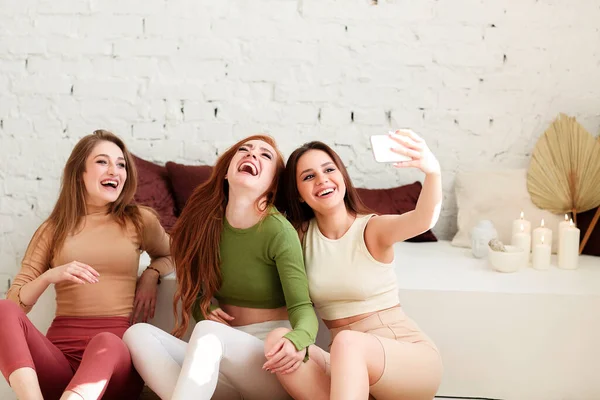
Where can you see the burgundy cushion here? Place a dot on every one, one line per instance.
(184, 179)
(154, 191)
(396, 200)
(592, 247)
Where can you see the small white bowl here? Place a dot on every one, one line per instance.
(509, 261)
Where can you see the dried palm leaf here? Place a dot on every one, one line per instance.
(564, 174)
(592, 225)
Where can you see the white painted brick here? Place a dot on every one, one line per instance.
(468, 56)
(198, 111)
(106, 89)
(91, 108)
(47, 125)
(221, 130)
(123, 67)
(174, 90)
(19, 186)
(145, 47)
(19, 45)
(76, 46)
(185, 132)
(58, 66)
(279, 49)
(473, 11)
(295, 93)
(147, 130)
(61, 25)
(14, 25)
(67, 7)
(194, 25)
(135, 7)
(200, 152)
(153, 150)
(273, 9)
(12, 66)
(13, 206)
(6, 224)
(154, 110)
(17, 126)
(207, 70)
(262, 71)
(299, 113)
(112, 26)
(208, 49)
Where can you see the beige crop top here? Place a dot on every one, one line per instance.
(343, 277)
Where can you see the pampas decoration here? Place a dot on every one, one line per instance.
(564, 173)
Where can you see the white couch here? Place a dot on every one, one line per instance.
(527, 335)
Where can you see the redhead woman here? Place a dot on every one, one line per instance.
(240, 273)
(376, 350)
(89, 249)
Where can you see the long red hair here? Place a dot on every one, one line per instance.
(196, 236)
(70, 207)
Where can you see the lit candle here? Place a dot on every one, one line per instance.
(568, 256)
(521, 225)
(539, 233)
(562, 225)
(522, 239)
(540, 255)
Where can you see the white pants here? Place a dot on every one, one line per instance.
(219, 362)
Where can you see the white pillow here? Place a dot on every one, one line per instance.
(498, 196)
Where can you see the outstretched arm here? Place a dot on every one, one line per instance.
(385, 230)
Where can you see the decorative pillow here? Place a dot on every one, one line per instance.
(498, 196)
(184, 179)
(154, 191)
(592, 247)
(396, 200)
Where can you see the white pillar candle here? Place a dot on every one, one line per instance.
(522, 240)
(521, 225)
(540, 255)
(568, 257)
(539, 233)
(562, 225)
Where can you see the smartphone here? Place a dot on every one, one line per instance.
(381, 145)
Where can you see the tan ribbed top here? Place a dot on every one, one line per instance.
(107, 247)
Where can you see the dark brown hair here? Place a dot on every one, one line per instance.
(197, 234)
(299, 212)
(70, 207)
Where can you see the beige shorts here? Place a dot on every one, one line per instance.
(413, 367)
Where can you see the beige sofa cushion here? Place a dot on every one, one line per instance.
(499, 196)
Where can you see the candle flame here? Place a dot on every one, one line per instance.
(566, 217)
(571, 222)
(542, 224)
(522, 214)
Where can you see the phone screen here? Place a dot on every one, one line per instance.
(382, 152)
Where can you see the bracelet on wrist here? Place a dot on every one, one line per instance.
(154, 269)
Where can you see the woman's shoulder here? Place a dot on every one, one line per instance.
(277, 221)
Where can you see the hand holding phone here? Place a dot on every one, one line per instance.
(405, 149)
(382, 149)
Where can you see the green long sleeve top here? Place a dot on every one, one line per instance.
(263, 267)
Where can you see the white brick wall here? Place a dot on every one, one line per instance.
(480, 80)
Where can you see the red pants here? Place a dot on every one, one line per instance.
(83, 355)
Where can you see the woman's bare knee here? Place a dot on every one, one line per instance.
(273, 337)
(346, 341)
